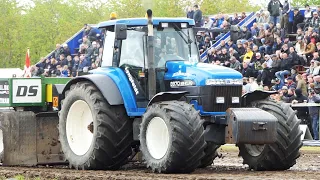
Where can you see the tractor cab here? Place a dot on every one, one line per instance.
(173, 40)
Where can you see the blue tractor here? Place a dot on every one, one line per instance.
(152, 95)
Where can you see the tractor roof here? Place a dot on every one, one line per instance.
(144, 21)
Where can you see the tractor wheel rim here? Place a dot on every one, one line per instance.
(157, 138)
(254, 150)
(78, 136)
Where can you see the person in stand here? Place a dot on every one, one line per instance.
(208, 23)
(314, 113)
(234, 63)
(65, 71)
(291, 84)
(277, 85)
(265, 76)
(70, 63)
(190, 13)
(41, 65)
(285, 15)
(285, 66)
(66, 50)
(307, 17)
(197, 16)
(287, 95)
(315, 22)
(299, 97)
(302, 85)
(297, 19)
(63, 61)
(247, 71)
(274, 10)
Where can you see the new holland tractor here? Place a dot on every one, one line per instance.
(151, 95)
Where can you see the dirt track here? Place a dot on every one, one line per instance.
(228, 167)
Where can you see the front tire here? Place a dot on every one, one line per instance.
(282, 154)
(172, 137)
(93, 134)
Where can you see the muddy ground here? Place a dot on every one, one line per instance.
(229, 166)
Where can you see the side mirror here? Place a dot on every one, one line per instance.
(120, 31)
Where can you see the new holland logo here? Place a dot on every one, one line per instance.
(181, 83)
(132, 81)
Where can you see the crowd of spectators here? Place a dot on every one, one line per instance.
(270, 57)
(64, 64)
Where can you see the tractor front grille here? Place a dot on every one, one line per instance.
(227, 92)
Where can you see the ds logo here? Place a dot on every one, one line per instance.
(27, 91)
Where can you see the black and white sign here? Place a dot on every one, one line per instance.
(4, 92)
(26, 91)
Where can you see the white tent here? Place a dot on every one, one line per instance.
(10, 72)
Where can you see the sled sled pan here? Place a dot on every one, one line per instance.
(30, 139)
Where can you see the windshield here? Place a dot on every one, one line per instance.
(169, 44)
(174, 44)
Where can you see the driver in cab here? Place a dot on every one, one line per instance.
(161, 53)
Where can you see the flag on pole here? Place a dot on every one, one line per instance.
(27, 63)
(27, 68)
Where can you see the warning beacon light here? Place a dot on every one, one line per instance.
(113, 16)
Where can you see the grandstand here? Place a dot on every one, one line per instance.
(73, 42)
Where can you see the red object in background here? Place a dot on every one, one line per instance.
(27, 63)
(27, 68)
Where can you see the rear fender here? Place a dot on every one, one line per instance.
(105, 85)
(167, 96)
(248, 98)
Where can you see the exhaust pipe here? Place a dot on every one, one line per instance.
(151, 66)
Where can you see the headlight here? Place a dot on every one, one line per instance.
(224, 81)
(184, 25)
(164, 25)
(235, 100)
(220, 100)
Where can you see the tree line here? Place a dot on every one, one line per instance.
(40, 24)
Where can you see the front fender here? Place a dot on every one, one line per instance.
(105, 85)
(249, 97)
(167, 96)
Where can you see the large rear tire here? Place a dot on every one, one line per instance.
(282, 154)
(172, 137)
(210, 154)
(93, 134)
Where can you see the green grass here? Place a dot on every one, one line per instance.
(20, 177)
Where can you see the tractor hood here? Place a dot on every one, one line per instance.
(199, 72)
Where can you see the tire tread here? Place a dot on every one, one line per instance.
(283, 153)
(114, 132)
(187, 148)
